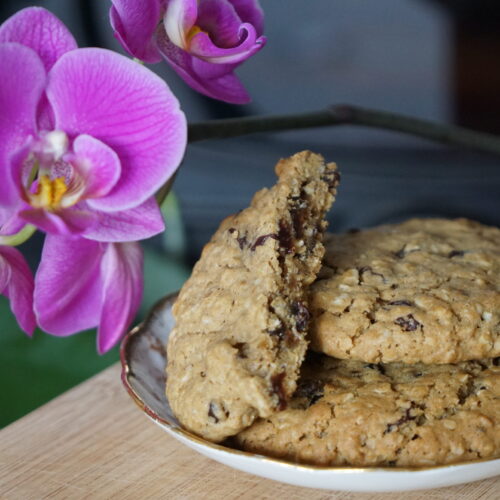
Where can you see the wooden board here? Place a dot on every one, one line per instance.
(93, 442)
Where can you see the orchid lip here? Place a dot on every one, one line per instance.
(56, 179)
(191, 33)
(49, 192)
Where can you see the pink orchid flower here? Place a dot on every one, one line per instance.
(203, 40)
(82, 284)
(95, 135)
(16, 283)
(86, 139)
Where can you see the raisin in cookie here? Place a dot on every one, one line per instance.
(426, 290)
(351, 413)
(241, 318)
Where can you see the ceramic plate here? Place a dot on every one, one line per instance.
(143, 360)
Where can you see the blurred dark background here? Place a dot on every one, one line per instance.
(432, 59)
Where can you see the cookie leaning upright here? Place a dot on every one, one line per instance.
(241, 318)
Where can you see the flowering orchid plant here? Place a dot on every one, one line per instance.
(87, 137)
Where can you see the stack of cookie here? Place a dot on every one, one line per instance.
(402, 323)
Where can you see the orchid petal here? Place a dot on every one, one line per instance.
(12, 226)
(23, 79)
(68, 285)
(208, 71)
(134, 24)
(199, 74)
(98, 164)
(129, 108)
(67, 222)
(122, 269)
(180, 16)
(136, 223)
(219, 18)
(203, 47)
(45, 115)
(250, 12)
(6, 213)
(19, 289)
(5, 272)
(21, 165)
(39, 29)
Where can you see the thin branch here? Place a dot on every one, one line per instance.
(346, 115)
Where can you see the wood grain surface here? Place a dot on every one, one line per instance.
(93, 442)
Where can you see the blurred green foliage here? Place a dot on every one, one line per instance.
(35, 370)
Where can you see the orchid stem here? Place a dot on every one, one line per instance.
(340, 115)
(346, 115)
(17, 239)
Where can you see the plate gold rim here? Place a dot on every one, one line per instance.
(126, 373)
